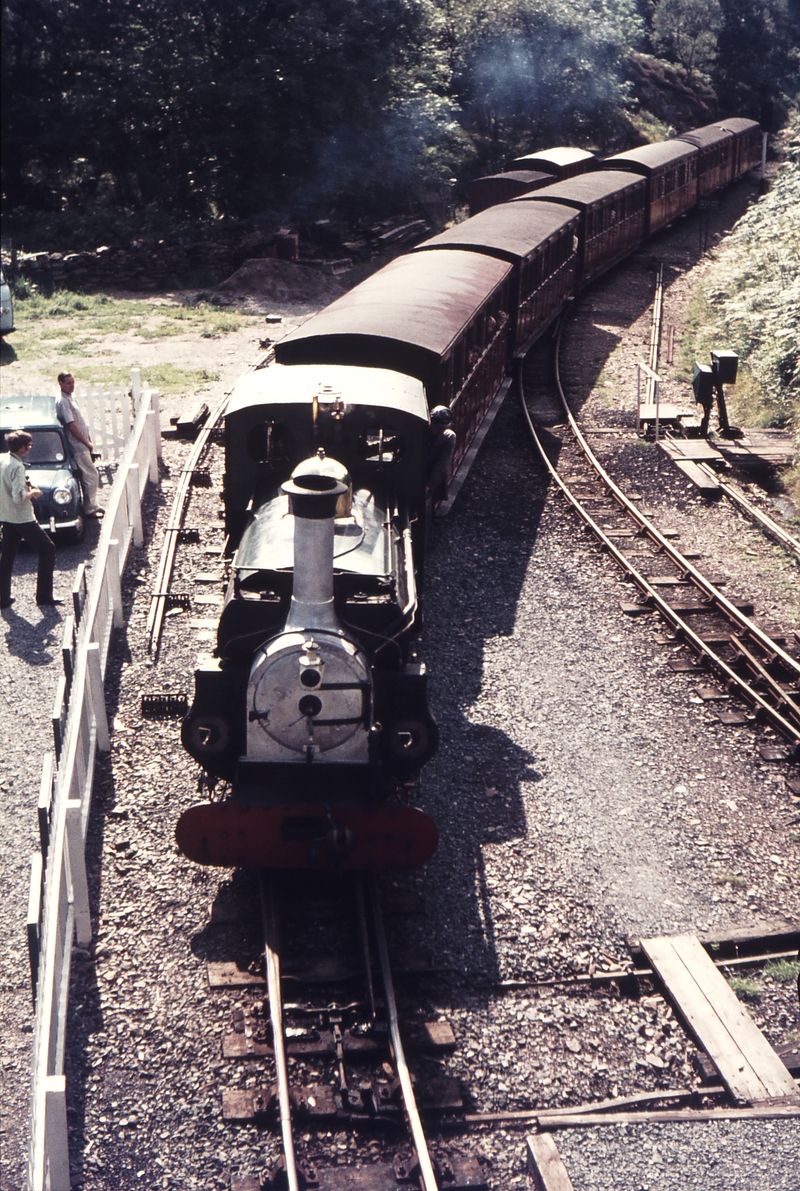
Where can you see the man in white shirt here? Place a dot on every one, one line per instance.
(73, 420)
(19, 521)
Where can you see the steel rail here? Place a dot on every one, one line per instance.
(712, 593)
(767, 524)
(655, 337)
(269, 914)
(790, 730)
(158, 605)
(427, 1175)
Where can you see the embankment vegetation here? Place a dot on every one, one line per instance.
(749, 301)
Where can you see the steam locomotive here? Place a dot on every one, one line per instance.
(314, 707)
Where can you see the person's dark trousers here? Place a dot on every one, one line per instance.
(34, 537)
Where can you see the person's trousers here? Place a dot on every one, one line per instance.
(34, 537)
(90, 480)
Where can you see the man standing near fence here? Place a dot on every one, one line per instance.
(19, 521)
(71, 417)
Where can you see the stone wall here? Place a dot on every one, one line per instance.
(146, 266)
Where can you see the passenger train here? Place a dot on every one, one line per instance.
(313, 709)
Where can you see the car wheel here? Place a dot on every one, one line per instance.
(75, 535)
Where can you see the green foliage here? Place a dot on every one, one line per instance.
(65, 325)
(686, 32)
(167, 378)
(758, 63)
(782, 970)
(142, 117)
(750, 302)
(533, 72)
(735, 880)
(745, 987)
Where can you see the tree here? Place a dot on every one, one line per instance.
(686, 31)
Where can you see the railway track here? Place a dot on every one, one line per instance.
(751, 663)
(334, 1055)
(191, 474)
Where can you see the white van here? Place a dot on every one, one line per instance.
(6, 306)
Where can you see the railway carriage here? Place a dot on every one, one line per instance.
(715, 148)
(746, 144)
(501, 188)
(671, 172)
(613, 214)
(540, 241)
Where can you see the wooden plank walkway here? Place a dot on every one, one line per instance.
(545, 1166)
(686, 453)
(759, 448)
(747, 1064)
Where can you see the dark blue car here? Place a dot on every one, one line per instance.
(50, 464)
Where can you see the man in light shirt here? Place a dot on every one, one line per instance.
(19, 521)
(73, 420)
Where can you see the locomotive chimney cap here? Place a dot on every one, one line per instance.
(313, 496)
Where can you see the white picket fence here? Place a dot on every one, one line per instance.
(58, 908)
(109, 412)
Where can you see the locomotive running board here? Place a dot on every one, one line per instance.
(251, 835)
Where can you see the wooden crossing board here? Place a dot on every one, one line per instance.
(760, 448)
(545, 1166)
(747, 1064)
(686, 453)
(698, 449)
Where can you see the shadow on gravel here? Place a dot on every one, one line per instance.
(477, 566)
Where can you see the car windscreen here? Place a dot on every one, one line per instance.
(48, 447)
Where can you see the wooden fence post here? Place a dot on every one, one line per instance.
(45, 801)
(135, 504)
(56, 1134)
(94, 675)
(115, 435)
(115, 581)
(152, 445)
(76, 850)
(136, 389)
(156, 403)
(34, 920)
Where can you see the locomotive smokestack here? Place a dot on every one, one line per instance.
(312, 501)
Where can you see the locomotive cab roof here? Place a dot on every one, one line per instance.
(298, 384)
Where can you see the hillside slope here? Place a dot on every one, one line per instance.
(749, 300)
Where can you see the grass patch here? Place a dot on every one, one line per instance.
(745, 987)
(735, 880)
(59, 324)
(167, 378)
(782, 970)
